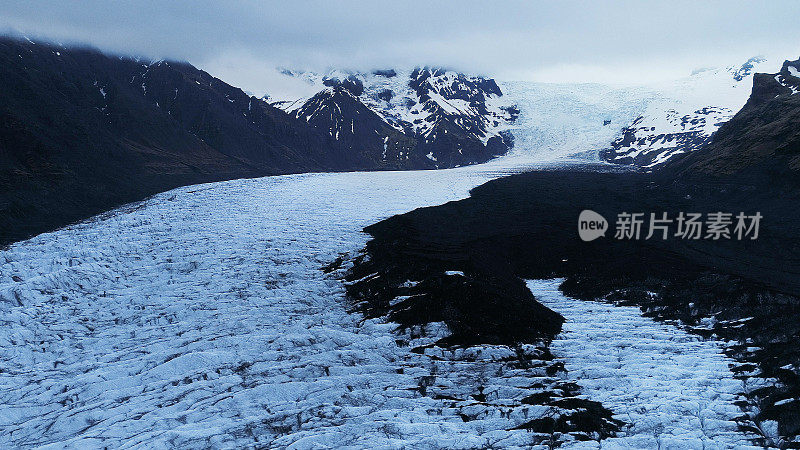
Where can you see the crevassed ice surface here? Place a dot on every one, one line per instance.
(560, 120)
(673, 389)
(201, 317)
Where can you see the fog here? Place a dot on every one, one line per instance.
(244, 42)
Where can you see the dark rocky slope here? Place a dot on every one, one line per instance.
(762, 141)
(525, 226)
(338, 113)
(82, 132)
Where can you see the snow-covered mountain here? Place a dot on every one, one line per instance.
(338, 112)
(684, 115)
(457, 119)
(452, 118)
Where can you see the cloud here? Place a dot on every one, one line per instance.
(242, 41)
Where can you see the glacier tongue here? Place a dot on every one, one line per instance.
(674, 390)
(202, 317)
(563, 120)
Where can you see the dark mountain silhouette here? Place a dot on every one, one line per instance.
(82, 132)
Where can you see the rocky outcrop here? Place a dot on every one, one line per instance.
(360, 132)
(762, 142)
(643, 145)
(452, 119)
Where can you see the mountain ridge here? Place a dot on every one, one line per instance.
(455, 119)
(762, 141)
(82, 132)
(686, 122)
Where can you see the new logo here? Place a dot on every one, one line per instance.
(591, 225)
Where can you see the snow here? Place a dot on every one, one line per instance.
(783, 82)
(793, 71)
(673, 389)
(679, 115)
(404, 108)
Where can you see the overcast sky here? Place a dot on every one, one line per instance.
(243, 42)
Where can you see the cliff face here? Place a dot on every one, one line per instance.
(762, 141)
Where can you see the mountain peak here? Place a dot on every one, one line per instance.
(426, 104)
(351, 83)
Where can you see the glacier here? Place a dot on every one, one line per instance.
(202, 317)
(673, 389)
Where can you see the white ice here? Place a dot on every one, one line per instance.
(672, 388)
(202, 317)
